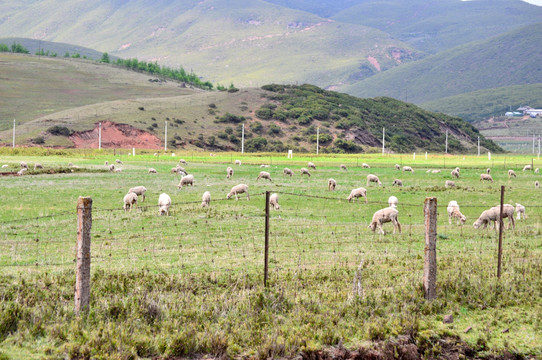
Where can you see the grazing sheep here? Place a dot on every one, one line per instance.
(383, 216)
(397, 182)
(274, 201)
(365, 166)
(106, 163)
(174, 170)
(238, 162)
(408, 168)
(455, 173)
(398, 167)
(536, 184)
(238, 189)
(229, 172)
(186, 180)
(511, 173)
(527, 167)
(486, 177)
(38, 166)
(140, 191)
(152, 171)
(182, 161)
(457, 169)
(155, 154)
(264, 166)
(118, 161)
(181, 170)
(111, 168)
(22, 171)
(164, 202)
(130, 200)
(5, 166)
(492, 215)
(536, 171)
(435, 171)
(520, 211)
(343, 167)
(117, 170)
(23, 165)
(488, 170)
(449, 184)
(70, 164)
(305, 171)
(393, 202)
(206, 199)
(453, 212)
(311, 165)
(287, 171)
(264, 175)
(331, 184)
(373, 178)
(357, 193)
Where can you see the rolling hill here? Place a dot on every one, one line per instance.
(505, 60)
(246, 42)
(277, 117)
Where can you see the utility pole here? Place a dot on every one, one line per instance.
(317, 139)
(446, 141)
(533, 144)
(538, 146)
(383, 141)
(13, 133)
(165, 137)
(478, 146)
(99, 136)
(243, 140)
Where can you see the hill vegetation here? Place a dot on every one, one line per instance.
(509, 59)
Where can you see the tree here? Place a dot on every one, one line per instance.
(105, 58)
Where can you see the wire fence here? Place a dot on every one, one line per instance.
(309, 235)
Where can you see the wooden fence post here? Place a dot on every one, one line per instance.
(430, 263)
(82, 276)
(499, 260)
(266, 255)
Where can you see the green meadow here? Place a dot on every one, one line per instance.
(191, 284)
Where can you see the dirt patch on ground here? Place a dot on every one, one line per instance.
(116, 136)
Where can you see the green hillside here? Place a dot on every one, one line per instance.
(509, 59)
(483, 104)
(249, 43)
(433, 26)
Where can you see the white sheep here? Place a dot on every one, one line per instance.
(238, 189)
(130, 200)
(23, 165)
(455, 173)
(111, 168)
(22, 171)
(287, 171)
(305, 171)
(331, 184)
(393, 202)
(398, 167)
(527, 167)
(457, 169)
(408, 168)
(116, 170)
(229, 172)
(238, 162)
(383, 216)
(152, 171)
(274, 201)
(536, 171)
(357, 193)
(311, 165)
(343, 167)
(38, 166)
(454, 213)
(155, 154)
(492, 215)
(373, 178)
(106, 163)
(264, 175)
(435, 171)
(536, 184)
(185, 181)
(181, 170)
(264, 166)
(70, 164)
(206, 199)
(520, 211)
(449, 184)
(174, 170)
(5, 166)
(511, 173)
(365, 166)
(140, 191)
(118, 161)
(164, 202)
(182, 161)
(397, 182)
(486, 177)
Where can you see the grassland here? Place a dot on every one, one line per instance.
(191, 283)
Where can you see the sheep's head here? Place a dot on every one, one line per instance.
(463, 219)
(372, 226)
(228, 196)
(478, 223)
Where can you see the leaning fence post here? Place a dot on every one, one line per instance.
(82, 276)
(266, 255)
(499, 259)
(430, 263)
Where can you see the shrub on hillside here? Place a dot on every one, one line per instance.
(230, 118)
(59, 131)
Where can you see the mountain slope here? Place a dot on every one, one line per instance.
(241, 41)
(34, 46)
(509, 59)
(433, 26)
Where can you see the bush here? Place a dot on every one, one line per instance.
(256, 127)
(274, 129)
(230, 118)
(347, 146)
(39, 140)
(323, 140)
(264, 113)
(59, 131)
(256, 145)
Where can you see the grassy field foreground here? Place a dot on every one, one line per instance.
(191, 284)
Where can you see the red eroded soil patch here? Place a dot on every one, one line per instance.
(116, 136)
